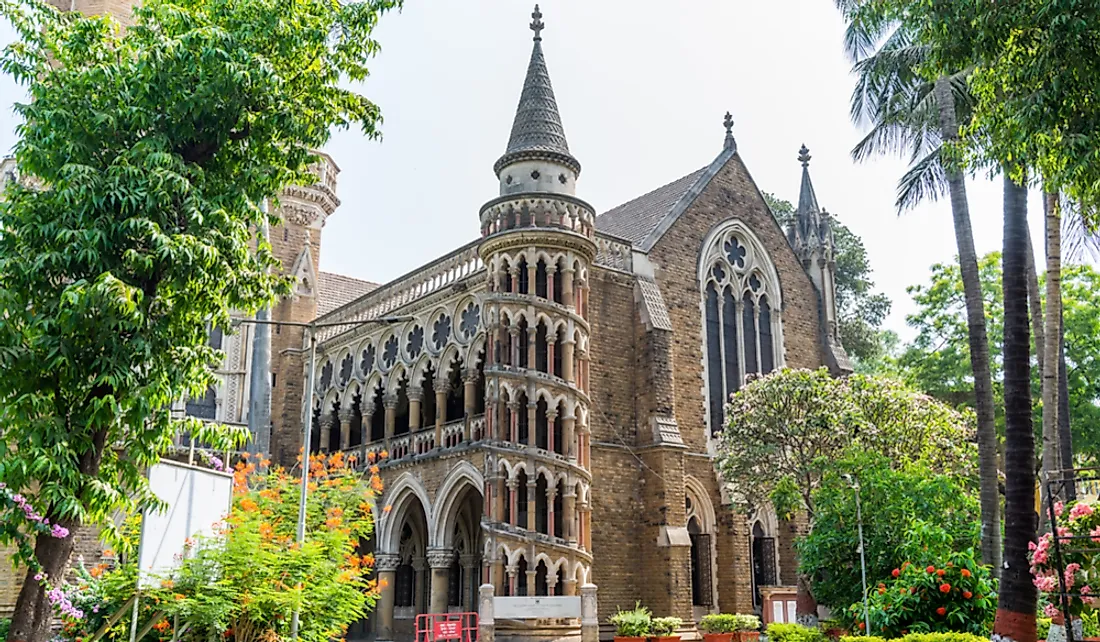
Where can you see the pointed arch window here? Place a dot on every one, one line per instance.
(741, 314)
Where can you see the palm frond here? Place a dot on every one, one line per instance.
(925, 180)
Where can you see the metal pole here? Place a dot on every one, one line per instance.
(1063, 590)
(259, 390)
(307, 428)
(863, 565)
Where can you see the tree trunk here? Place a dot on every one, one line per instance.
(1051, 336)
(33, 612)
(1035, 303)
(1017, 598)
(1065, 436)
(805, 603)
(979, 340)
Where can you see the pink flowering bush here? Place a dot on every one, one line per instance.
(1080, 557)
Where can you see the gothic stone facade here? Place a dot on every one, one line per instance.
(547, 402)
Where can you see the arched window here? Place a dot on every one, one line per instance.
(741, 314)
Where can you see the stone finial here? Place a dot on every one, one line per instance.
(804, 156)
(728, 123)
(537, 24)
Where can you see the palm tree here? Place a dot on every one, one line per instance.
(1052, 336)
(1017, 598)
(912, 116)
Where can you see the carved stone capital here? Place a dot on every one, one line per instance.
(440, 557)
(389, 400)
(416, 394)
(384, 562)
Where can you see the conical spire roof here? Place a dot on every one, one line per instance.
(807, 200)
(537, 129)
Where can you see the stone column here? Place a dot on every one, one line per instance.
(416, 395)
(386, 566)
(532, 269)
(532, 337)
(512, 512)
(515, 279)
(569, 436)
(511, 571)
(367, 411)
(531, 582)
(513, 421)
(551, 416)
(570, 587)
(440, 410)
(389, 402)
(345, 427)
(513, 335)
(551, 493)
(531, 486)
(550, 347)
(420, 567)
(469, 399)
(550, 270)
(328, 423)
(439, 560)
(567, 364)
(567, 287)
(499, 498)
(532, 428)
(569, 506)
(590, 620)
(551, 583)
(486, 625)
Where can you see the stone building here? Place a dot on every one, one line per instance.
(549, 398)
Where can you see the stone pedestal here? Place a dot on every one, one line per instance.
(590, 620)
(486, 626)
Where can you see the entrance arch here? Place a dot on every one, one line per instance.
(699, 517)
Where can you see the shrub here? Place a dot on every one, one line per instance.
(746, 623)
(1042, 628)
(957, 596)
(635, 623)
(5, 624)
(919, 637)
(718, 623)
(665, 626)
(793, 633)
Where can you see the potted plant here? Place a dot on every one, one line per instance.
(664, 629)
(718, 627)
(748, 628)
(634, 625)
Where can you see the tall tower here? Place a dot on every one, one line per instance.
(538, 246)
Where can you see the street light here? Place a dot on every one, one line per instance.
(311, 328)
(854, 482)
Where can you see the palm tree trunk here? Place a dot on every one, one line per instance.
(1035, 303)
(979, 340)
(1051, 336)
(1017, 599)
(1065, 436)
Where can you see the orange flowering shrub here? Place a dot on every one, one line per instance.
(245, 585)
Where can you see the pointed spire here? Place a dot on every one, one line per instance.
(537, 129)
(807, 212)
(729, 143)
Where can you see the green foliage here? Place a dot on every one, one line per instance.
(244, 585)
(666, 626)
(938, 358)
(956, 595)
(1076, 565)
(719, 623)
(787, 428)
(745, 622)
(635, 623)
(144, 154)
(861, 310)
(920, 637)
(5, 624)
(896, 502)
(779, 632)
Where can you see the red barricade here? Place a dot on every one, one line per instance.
(444, 627)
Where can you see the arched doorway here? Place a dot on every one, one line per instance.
(700, 526)
(764, 563)
(458, 536)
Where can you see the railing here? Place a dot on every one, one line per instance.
(537, 211)
(614, 252)
(421, 442)
(452, 433)
(433, 277)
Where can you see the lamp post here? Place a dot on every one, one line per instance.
(854, 481)
(311, 328)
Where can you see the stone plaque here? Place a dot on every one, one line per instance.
(527, 608)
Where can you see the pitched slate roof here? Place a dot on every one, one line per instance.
(335, 290)
(637, 219)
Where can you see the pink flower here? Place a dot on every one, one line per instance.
(1045, 583)
(1050, 611)
(1071, 571)
(1058, 508)
(1080, 510)
(1095, 533)
(1086, 590)
(1031, 546)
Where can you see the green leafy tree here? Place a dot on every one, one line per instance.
(861, 310)
(788, 428)
(910, 513)
(144, 154)
(937, 359)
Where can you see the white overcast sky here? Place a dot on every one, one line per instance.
(642, 87)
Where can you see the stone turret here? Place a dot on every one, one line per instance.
(538, 245)
(811, 236)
